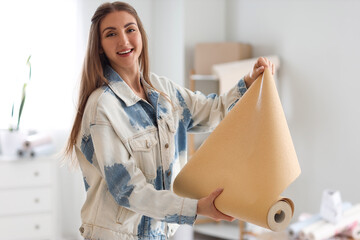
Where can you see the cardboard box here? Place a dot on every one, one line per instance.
(208, 54)
(230, 73)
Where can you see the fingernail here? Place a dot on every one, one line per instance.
(220, 189)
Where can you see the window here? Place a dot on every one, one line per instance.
(48, 31)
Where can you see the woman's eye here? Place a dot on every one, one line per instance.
(131, 30)
(110, 34)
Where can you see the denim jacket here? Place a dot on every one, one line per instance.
(130, 151)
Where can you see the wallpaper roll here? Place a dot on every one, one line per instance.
(295, 228)
(302, 228)
(304, 233)
(36, 140)
(251, 155)
(305, 226)
(351, 217)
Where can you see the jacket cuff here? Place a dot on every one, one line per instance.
(188, 212)
(242, 87)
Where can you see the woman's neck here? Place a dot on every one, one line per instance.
(132, 79)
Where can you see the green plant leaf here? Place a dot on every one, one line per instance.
(12, 110)
(21, 105)
(23, 97)
(29, 64)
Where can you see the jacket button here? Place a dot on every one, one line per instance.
(167, 145)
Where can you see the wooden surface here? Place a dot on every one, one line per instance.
(273, 236)
(230, 231)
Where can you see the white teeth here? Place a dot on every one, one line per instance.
(125, 52)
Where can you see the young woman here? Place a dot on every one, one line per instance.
(129, 133)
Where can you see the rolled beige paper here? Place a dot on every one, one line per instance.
(251, 155)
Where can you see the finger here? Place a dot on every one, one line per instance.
(260, 70)
(227, 218)
(223, 216)
(256, 73)
(269, 64)
(267, 61)
(263, 62)
(259, 62)
(216, 193)
(273, 69)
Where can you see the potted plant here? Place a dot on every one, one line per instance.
(23, 98)
(12, 138)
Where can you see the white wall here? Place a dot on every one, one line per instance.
(204, 22)
(318, 43)
(166, 38)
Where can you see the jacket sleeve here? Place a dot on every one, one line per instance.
(128, 185)
(204, 113)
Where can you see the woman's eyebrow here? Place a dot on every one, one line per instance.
(114, 28)
(109, 28)
(128, 24)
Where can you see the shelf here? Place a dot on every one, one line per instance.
(198, 77)
(220, 230)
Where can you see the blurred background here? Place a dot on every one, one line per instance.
(317, 43)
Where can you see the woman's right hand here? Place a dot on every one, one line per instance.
(207, 208)
(258, 68)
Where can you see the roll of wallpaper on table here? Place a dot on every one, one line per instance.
(305, 226)
(36, 140)
(304, 233)
(350, 217)
(251, 155)
(295, 228)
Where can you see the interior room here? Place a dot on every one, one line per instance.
(314, 44)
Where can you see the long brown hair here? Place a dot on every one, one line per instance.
(92, 73)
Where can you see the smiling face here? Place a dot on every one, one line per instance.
(121, 41)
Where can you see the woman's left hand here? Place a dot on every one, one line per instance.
(258, 69)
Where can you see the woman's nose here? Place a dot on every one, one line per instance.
(123, 39)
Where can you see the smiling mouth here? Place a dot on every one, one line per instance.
(125, 52)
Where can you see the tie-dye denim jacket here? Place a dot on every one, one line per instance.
(130, 151)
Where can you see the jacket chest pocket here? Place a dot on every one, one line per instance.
(145, 148)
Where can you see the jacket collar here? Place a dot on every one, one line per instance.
(120, 87)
